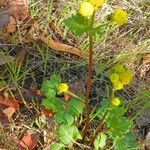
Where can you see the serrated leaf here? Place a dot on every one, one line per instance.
(116, 122)
(118, 126)
(126, 143)
(116, 112)
(45, 85)
(68, 134)
(49, 87)
(49, 93)
(64, 117)
(75, 108)
(59, 117)
(57, 146)
(77, 24)
(100, 141)
(55, 80)
(53, 104)
(69, 119)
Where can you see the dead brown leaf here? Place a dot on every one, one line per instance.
(20, 9)
(46, 112)
(64, 47)
(11, 27)
(8, 100)
(9, 112)
(144, 69)
(29, 141)
(4, 121)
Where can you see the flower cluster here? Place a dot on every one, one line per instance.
(87, 8)
(119, 16)
(116, 101)
(62, 88)
(120, 77)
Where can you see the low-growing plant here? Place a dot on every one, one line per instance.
(114, 129)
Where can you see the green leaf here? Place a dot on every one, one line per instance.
(57, 146)
(49, 87)
(54, 104)
(46, 84)
(78, 24)
(49, 93)
(99, 69)
(64, 117)
(68, 134)
(69, 119)
(116, 122)
(103, 108)
(96, 30)
(118, 127)
(75, 107)
(59, 117)
(55, 80)
(126, 143)
(116, 112)
(100, 141)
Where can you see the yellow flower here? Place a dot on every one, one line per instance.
(97, 3)
(114, 78)
(62, 88)
(119, 16)
(86, 9)
(125, 77)
(116, 101)
(117, 86)
(118, 68)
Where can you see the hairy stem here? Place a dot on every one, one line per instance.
(89, 80)
(88, 88)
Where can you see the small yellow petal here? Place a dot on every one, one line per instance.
(86, 9)
(116, 101)
(114, 78)
(119, 16)
(117, 86)
(118, 68)
(62, 88)
(97, 3)
(125, 77)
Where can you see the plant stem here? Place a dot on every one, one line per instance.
(88, 80)
(99, 127)
(75, 96)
